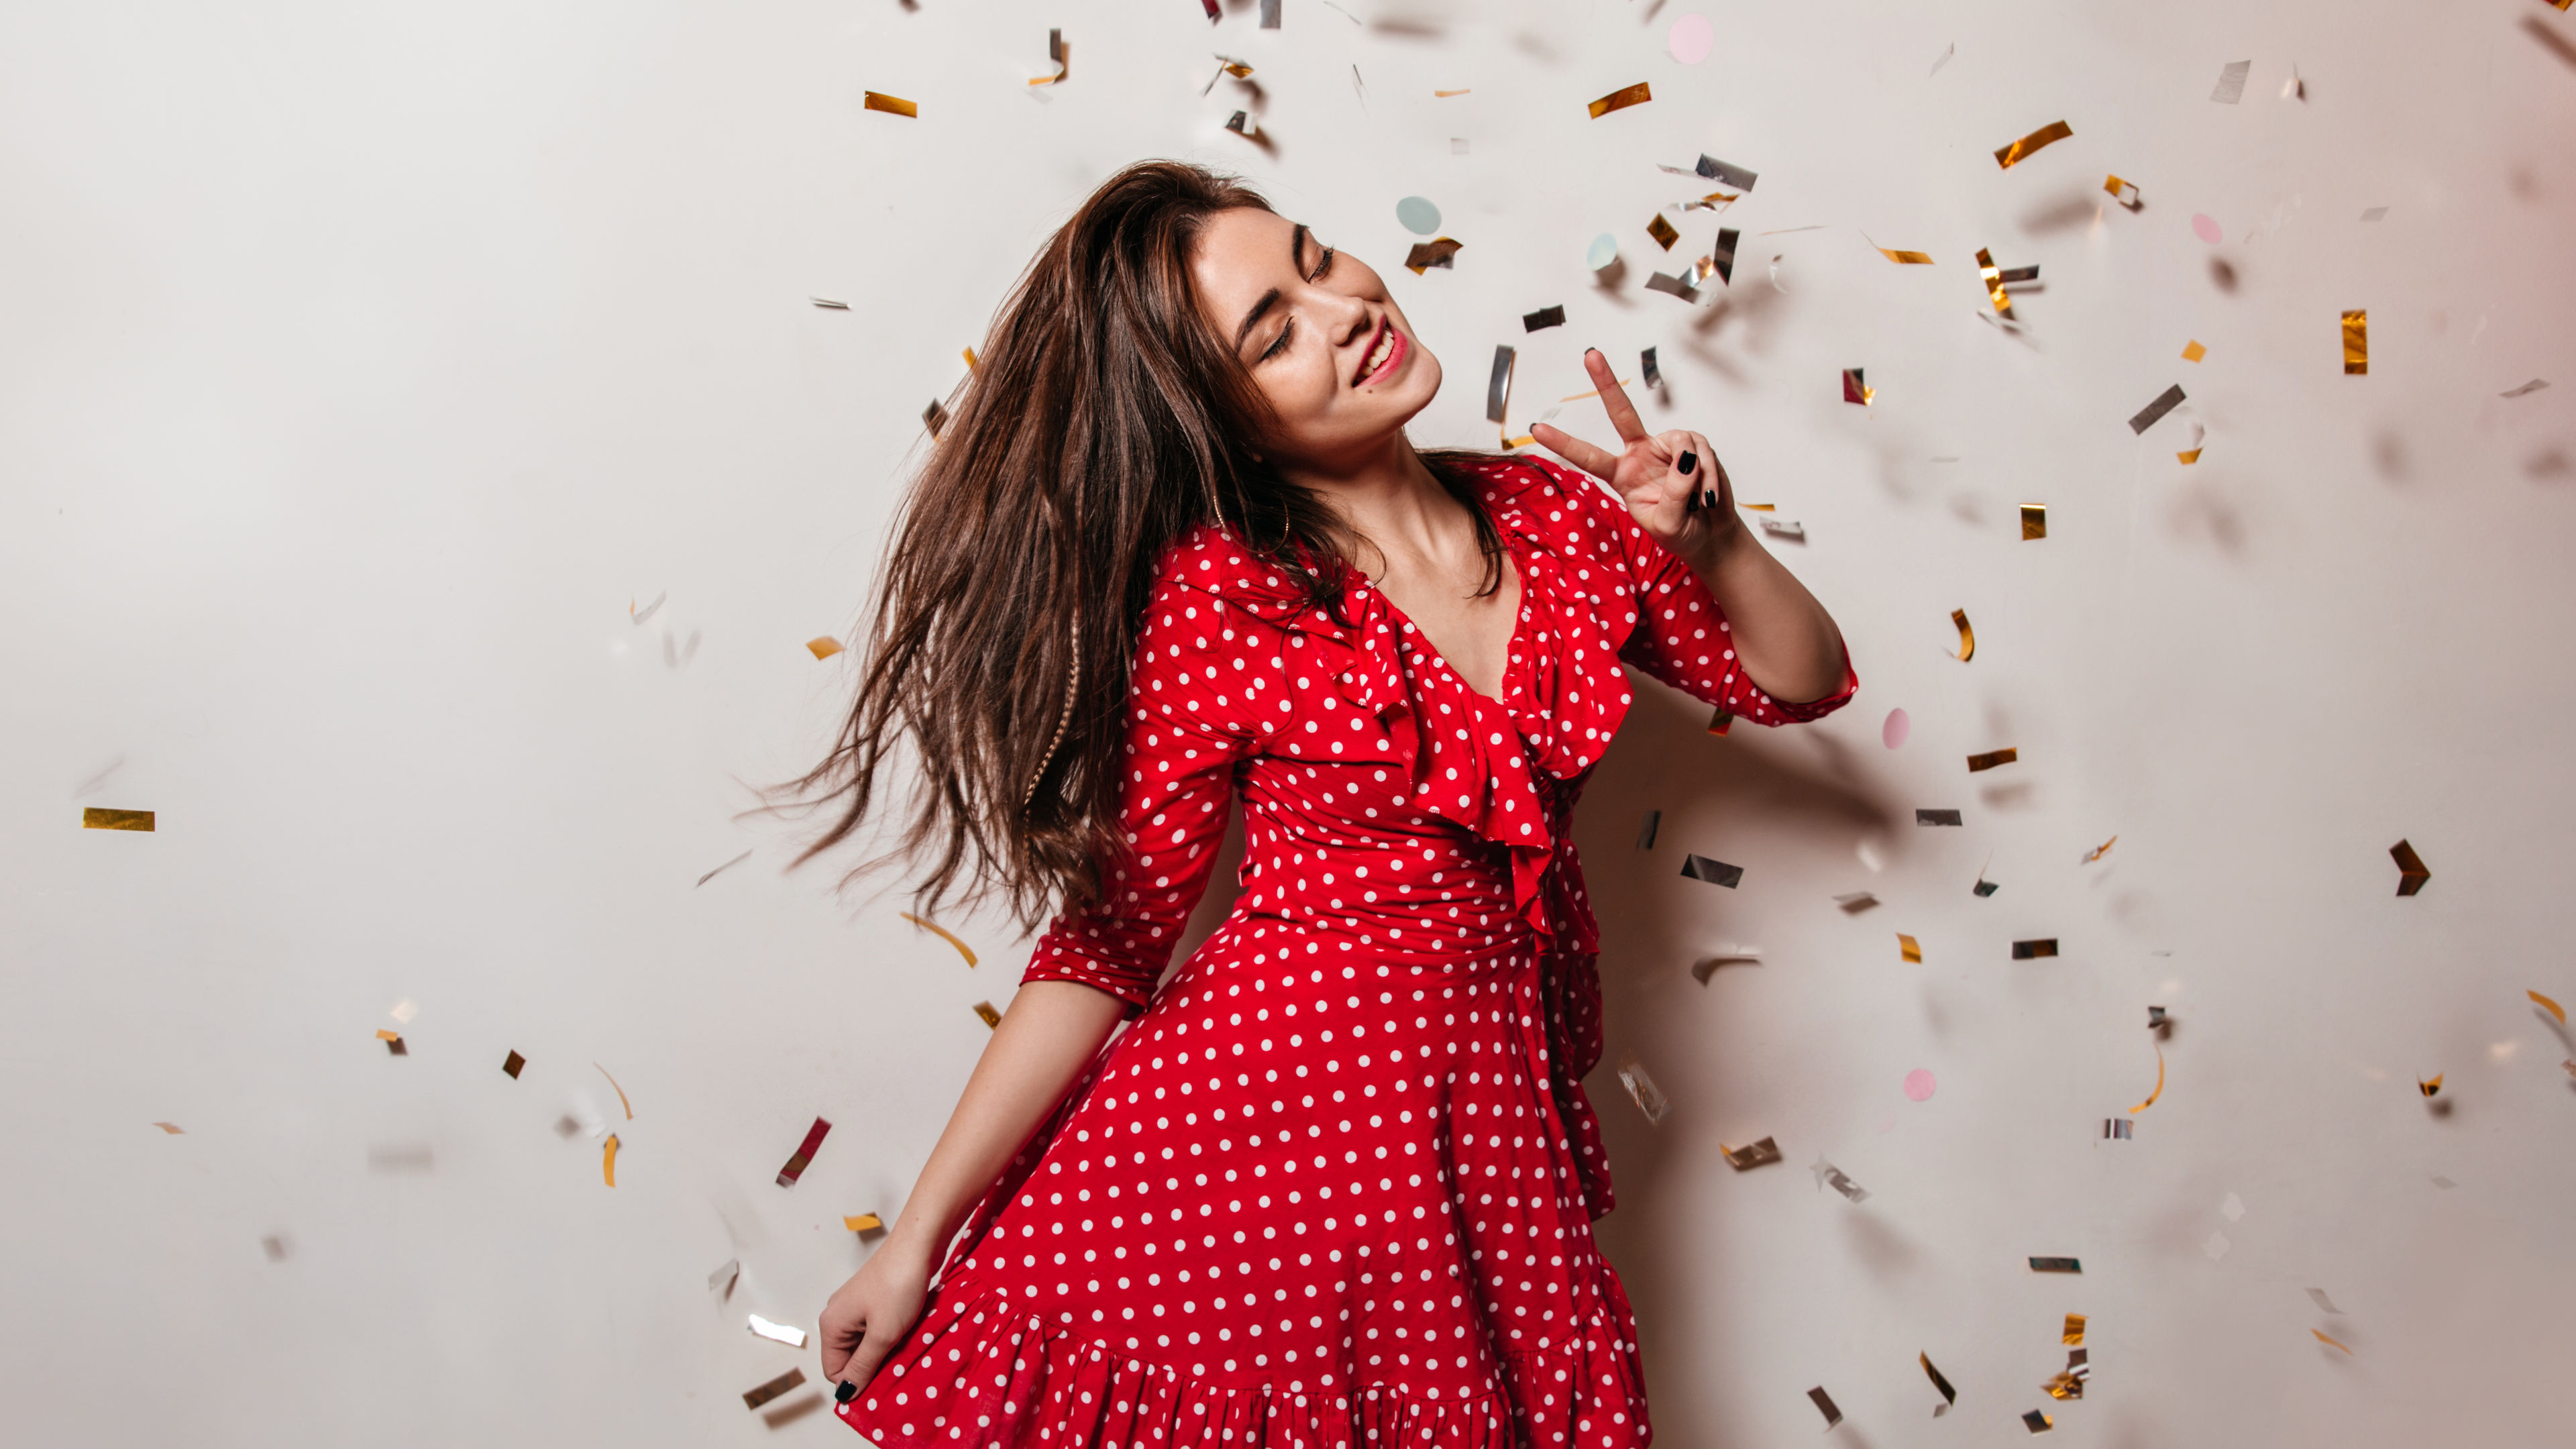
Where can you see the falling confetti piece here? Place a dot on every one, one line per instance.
(1226, 65)
(1499, 387)
(2294, 88)
(2206, 228)
(2322, 1338)
(1758, 1154)
(1992, 758)
(1920, 1085)
(991, 1018)
(1784, 528)
(2021, 150)
(1691, 39)
(1650, 1099)
(1825, 1402)
(1712, 202)
(1949, 1395)
(513, 1064)
(2034, 521)
(891, 105)
(1620, 100)
(1055, 57)
(1270, 14)
(2037, 1422)
(1654, 375)
(608, 1160)
(1939, 817)
(721, 1280)
(2073, 1336)
(172, 1128)
(621, 1091)
(648, 608)
(1417, 215)
(719, 870)
(2099, 851)
(393, 1041)
(2552, 1007)
(1828, 1175)
(1901, 258)
(2064, 1386)
(2033, 950)
(97, 819)
(2231, 82)
(2411, 870)
(1909, 948)
(2528, 388)
(2319, 1294)
(863, 1223)
(1721, 258)
(1856, 902)
(1242, 124)
(2115, 1129)
(1675, 286)
(778, 1332)
(1993, 276)
(804, 1154)
(754, 1398)
(1967, 636)
(2429, 1086)
(2188, 457)
(2376, 213)
(824, 647)
(1603, 251)
(1444, 95)
(1438, 252)
(1646, 832)
(1715, 872)
(1725, 174)
(2233, 1209)
(2160, 1081)
(1899, 724)
(2356, 342)
(2164, 403)
(2157, 1020)
(1855, 390)
(942, 933)
(1663, 233)
(1542, 319)
(2057, 1265)
(1984, 887)
(274, 1248)
(935, 418)
(2194, 352)
(2124, 192)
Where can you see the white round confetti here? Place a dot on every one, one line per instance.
(1604, 251)
(1691, 38)
(1418, 215)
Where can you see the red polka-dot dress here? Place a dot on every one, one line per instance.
(1333, 1186)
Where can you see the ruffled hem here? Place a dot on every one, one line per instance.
(1022, 1381)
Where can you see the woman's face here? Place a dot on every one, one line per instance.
(1316, 329)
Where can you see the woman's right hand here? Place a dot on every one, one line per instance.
(869, 1314)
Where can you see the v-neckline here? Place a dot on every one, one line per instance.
(1511, 641)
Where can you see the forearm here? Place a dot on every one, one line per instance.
(1789, 646)
(1050, 1033)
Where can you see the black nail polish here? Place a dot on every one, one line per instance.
(846, 1392)
(1708, 498)
(1689, 461)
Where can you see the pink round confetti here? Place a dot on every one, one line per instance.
(2206, 228)
(1691, 38)
(1898, 726)
(1919, 1085)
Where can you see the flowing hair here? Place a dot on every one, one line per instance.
(1103, 420)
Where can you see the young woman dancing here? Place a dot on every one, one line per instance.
(1333, 1186)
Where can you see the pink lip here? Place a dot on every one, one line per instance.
(1394, 354)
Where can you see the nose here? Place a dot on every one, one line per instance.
(1352, 319)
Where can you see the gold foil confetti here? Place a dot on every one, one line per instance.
(2188, 456)
(2160, 1085)
(1713, 201)
(513, 1064)
(1758, 1154)
(1055, 54)
(1855, 390)
(754, 1398)
(1909, 948)
(777, 1332)
(2099, 851)
(824, 646)
(2021, 150)
(1993, 276)
(1992, 758)
(1901, 258)
(942, 933)
(1650, 1099)
(94, 818)
(2034, 521)
(991, 1017)
(2411, 871)
(2057, 1265)
(863, 1223)
(621, 1091)
(2037, 1422)
(2322, 1336)
(2034, 950)
(2125, 193)
(2552, 1007)
(1440, 251)
(1715, 872)
(1662, 231)
(393, 1041)
(1620, 100)
(2164, 403)
(2429, 1086)
(971, 364)
(2193, 351)
(172, 1128)
(1825, 1402)
(804, 1154)
(1444, 95)
(608, 1160)
(1967, 636)
(891, 105)
(1226, 65)
(1949, 1395)
(2065, 1386)
(2356, 342)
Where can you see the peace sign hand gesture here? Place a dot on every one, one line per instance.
(1672, 482)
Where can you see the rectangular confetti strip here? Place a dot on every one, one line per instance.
(1984, 888)
(1788, 529)
(777, 1332)
(934, 417)
(991, 1018)
(754, 1398)
(1856, 902)
(1949, 1395)
(2356, 342)
(2231, 82)
(1902, 258)
(1270, 14)
(863, 1223)
(2037, 1422)
(1542, 319)
(2194, 352)
(2034, 949)
(891, 105)
(1654, 374)
(94, 818)
(1992, 758)
(2073, 1336)
(1993, 276)
(2527, 389)
(2126, 193)
(1650, 1099)
(1646, 832)
(1242, 124)
(2034, 521)
(1676, 286)
(720, 1281)
(2164, 403)
(1663, 232)
(2411, 870)
(1758, 1154)
(1055, 55)
(1967, 636)
(1724, 174)
(172, 1128)
(512, 1064)
(1938, 817)
(393, 1042)
(2115, 1129)
(1855, 389)
(1825, 1402)
(1440, 251)
(1721, 258)
(2547, 1005)
(1715, 872)
(1499, 389)
(2056, 1265)
(804, 1155)
(2021, 150)
(828, 304)
(1828, 1175)
(1622, 99)
(1909, 948)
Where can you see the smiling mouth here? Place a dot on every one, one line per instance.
(1389, 348)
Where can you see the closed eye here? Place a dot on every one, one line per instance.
(1288, 330)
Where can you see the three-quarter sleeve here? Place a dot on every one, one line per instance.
(1203, 672)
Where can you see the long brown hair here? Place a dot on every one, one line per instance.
(1103, 420)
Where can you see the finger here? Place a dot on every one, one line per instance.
(1715, 491)
(1574, 450)
(1614, 398)
(837, 1343)
(862, 1367)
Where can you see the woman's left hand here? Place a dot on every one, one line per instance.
(1672, 482)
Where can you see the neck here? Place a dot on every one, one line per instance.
(1389, 503)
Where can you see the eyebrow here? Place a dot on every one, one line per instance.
(1296, 257)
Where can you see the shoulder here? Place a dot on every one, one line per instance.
(1555, 508)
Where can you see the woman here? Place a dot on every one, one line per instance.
(1334, 1184)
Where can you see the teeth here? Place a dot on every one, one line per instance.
(1377, 355)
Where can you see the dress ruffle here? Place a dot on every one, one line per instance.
(1015, 1378)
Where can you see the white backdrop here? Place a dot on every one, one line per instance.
(365, 364)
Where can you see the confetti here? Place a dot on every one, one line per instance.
(274, 1247)
(1691, 39)
(513, 1064)
(2528, 388)
(1984, 887)
(891, 105)
(2411, 870)
(1938, 817)
(1620, 100)
(1677, 286)
(1650, 1099)
(1417, 215)
(393, 1043)
(1226, 65)
(1724, 174)
(2021, 150)
(1715, 872)
(2115, 1129)
(754, 1398)
(404, 1010)
(778, 1332)
(1662, 231)
(2376, 213)
(1894, 732)
(2033, 950)
(2322, 1338)
(2294, 88)
(2356, 342)
(1967, 636)
(942, 933)
(1828, 1175)
(2057, 1265)
(2164, 403)
(2037, 1422)
(1992, 758)
(648, 608)
(1242, 124)
(1920, 1085)
(2099, 851)
(1909, 948)
(1949, 1395)
(1270, 14)
(2206, 228)
(721, 1280)
(621, 1091)
(1993, 277)
(823, 646)
(172, 1128)
(1444, 95)
(1499, 388)
(991, 1018)
(1856, 902)
(1784, 528)
(2194, 352)
(2065, 1386)
(2552, 1007)
(1759, 1154)
(94, 818)
(1721, 258)
(1646, 832)
(1055, 55)
(2429, 1086)
(804, 1155)
(2231, 82)
(934, 417)
(863, 1223)
(2160, 1080)
(1654, 374)
(1711, 202)
(2034, 521)
(1825, 1402)
(1542, 319)
(1437, 252)
(1855, 390)
(1603, 251)
(2124, 192)
(2157, 1020)
(608, 1160)
(2319, 1295)
(719, 870)
(1901, 258)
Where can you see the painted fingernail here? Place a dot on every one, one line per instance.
(1708, 498)
(1689, 462)
(846, 1392)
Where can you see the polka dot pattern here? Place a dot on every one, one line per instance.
(1334, 1185)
